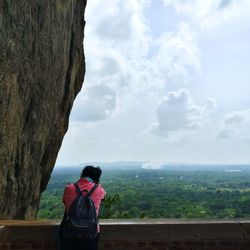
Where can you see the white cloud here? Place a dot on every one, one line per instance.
(117, 45)
(178, 54)
(224, 133)
(97, 103)
(177, 111)
(133, 77)
(210, 13)
(211, 104)
(235, 124)
(119, 24)
(116, 41)
(237, 117)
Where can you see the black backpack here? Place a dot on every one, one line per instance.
(81, 220)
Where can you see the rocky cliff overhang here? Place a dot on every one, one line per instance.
(41, 71)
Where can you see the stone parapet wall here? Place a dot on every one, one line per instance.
(135, 235)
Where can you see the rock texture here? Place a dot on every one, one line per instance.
(41, 71)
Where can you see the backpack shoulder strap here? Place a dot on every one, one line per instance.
(77, 189)
(92, 190)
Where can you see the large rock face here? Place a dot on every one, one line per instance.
(41, 71)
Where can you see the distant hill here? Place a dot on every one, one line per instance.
(134, 165)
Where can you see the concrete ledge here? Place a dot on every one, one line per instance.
(153, 234)
(1, 233)
(176, 229)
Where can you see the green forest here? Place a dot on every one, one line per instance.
(161, 193)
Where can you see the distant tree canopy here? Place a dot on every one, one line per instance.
(160, 194)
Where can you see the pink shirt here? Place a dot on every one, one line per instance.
(70, 194)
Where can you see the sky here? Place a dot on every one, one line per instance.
(166, 81)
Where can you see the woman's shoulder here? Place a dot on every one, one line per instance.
(101, 189)
(69, 186)
(100, 186)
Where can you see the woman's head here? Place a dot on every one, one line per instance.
(93, 172)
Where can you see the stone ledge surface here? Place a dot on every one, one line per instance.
(1, 233)
(153, 234)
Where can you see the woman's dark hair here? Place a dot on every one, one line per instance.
(93, 172)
